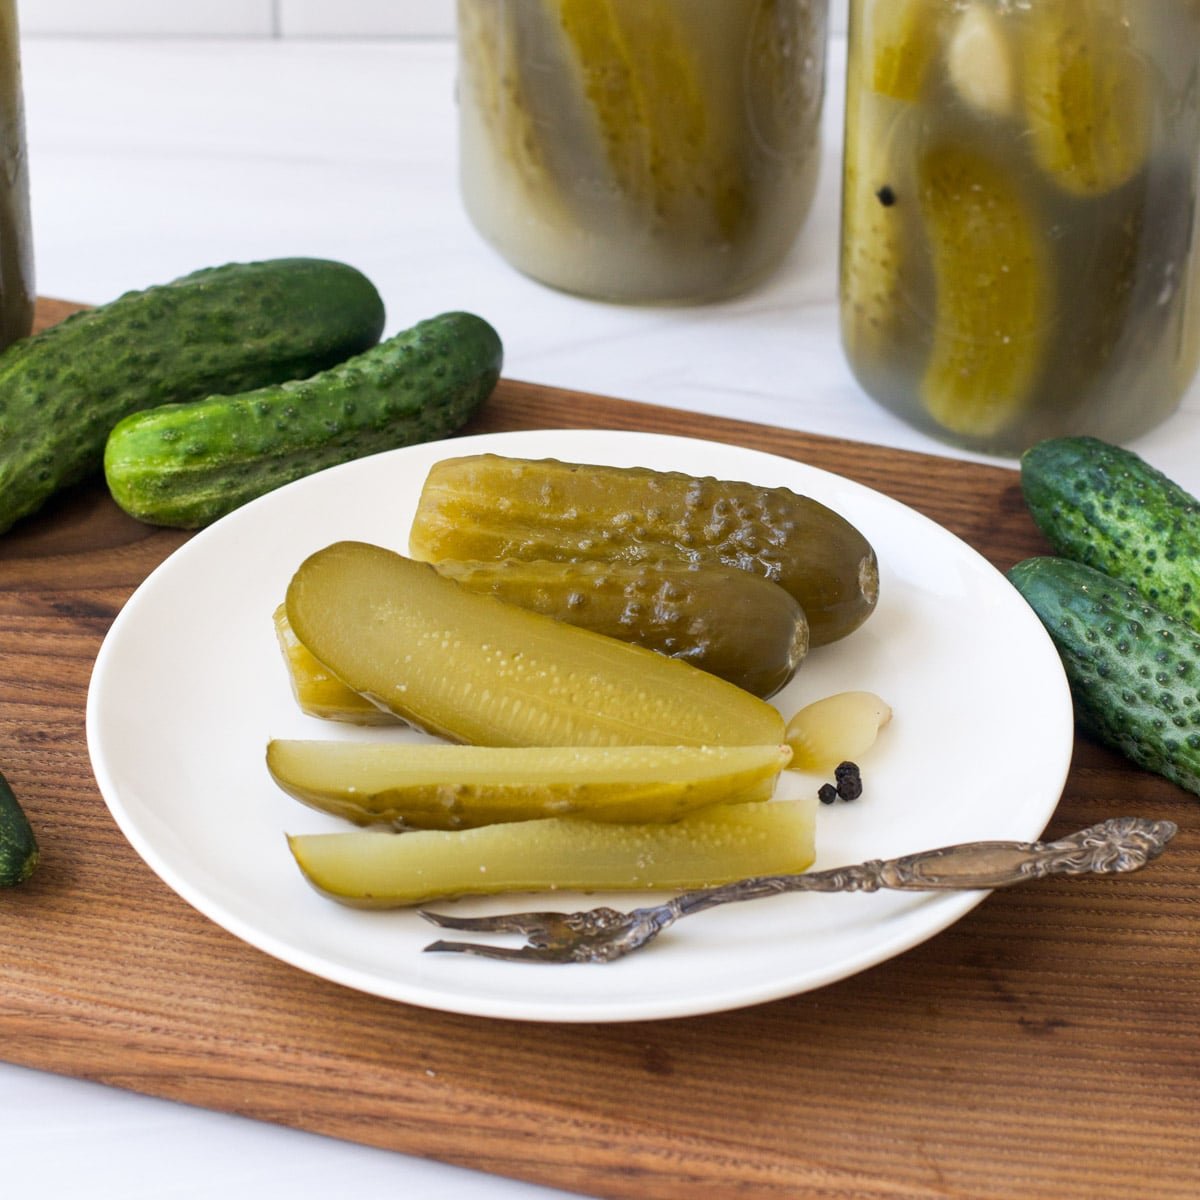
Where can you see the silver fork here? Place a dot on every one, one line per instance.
(600, 935)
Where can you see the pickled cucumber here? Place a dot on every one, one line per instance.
(878, 247)
(490, 45)
(993, 292)
(672, 153)
(474, 669)
(462, 787)
(317, 691)
(903, 44)
(375, 869)
(1087, 94)
(489, 507)
(739, 626)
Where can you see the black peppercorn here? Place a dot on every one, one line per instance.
(849, 780)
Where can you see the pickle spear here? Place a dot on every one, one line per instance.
(319, 692)
(1087, 94)
(490, 507)
(461, 787)
(474, 669)
(376, 869)
(993, 292)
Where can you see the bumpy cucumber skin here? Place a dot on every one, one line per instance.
(185, 465)
(1105, 506)
(731, 623)
(488, 506)
(221, 329)
(18, 845)
(1133, 670)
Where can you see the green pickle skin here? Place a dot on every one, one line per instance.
(492, 508)
(221, 329)
(730, 623)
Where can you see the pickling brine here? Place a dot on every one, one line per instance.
(1018, 254)
(641, 151)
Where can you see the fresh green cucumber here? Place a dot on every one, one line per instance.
(18, 846)
(185, 465)
(1105, 506)
(1134, 671)
(221, 329)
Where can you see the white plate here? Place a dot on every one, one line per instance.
(189, 685)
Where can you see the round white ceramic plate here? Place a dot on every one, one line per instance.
(189, 685)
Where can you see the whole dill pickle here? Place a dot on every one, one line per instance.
(490, 507)
(730, 623)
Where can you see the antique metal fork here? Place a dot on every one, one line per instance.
(599, 935)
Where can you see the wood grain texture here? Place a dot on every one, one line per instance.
(1047, 1045)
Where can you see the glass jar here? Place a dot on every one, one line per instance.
(16, 241)
(1018, 254)
(641, 151)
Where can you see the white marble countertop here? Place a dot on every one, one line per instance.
(152, 158)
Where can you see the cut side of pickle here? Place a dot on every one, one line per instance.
(490, 507)
(473, 669)
(319, 692)
(1087, 93)
(462, 787)
(835, 729)
(730, 623)
(993, 292)
(376, 869)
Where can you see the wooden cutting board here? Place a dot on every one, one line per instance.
(1048, 1045)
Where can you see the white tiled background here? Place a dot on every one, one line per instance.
(254, 18)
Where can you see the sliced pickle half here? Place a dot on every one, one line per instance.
(474, 669)
(902, 41)
(1087, 92)
(993, 292)
(462, 787)
(378, 869)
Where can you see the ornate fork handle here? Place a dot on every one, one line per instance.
(1118, 845)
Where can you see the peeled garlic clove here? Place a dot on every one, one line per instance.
(979, 62)
(835, 729)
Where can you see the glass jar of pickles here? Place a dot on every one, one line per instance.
(1019, 253)
(16, 248)
(641, 151)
